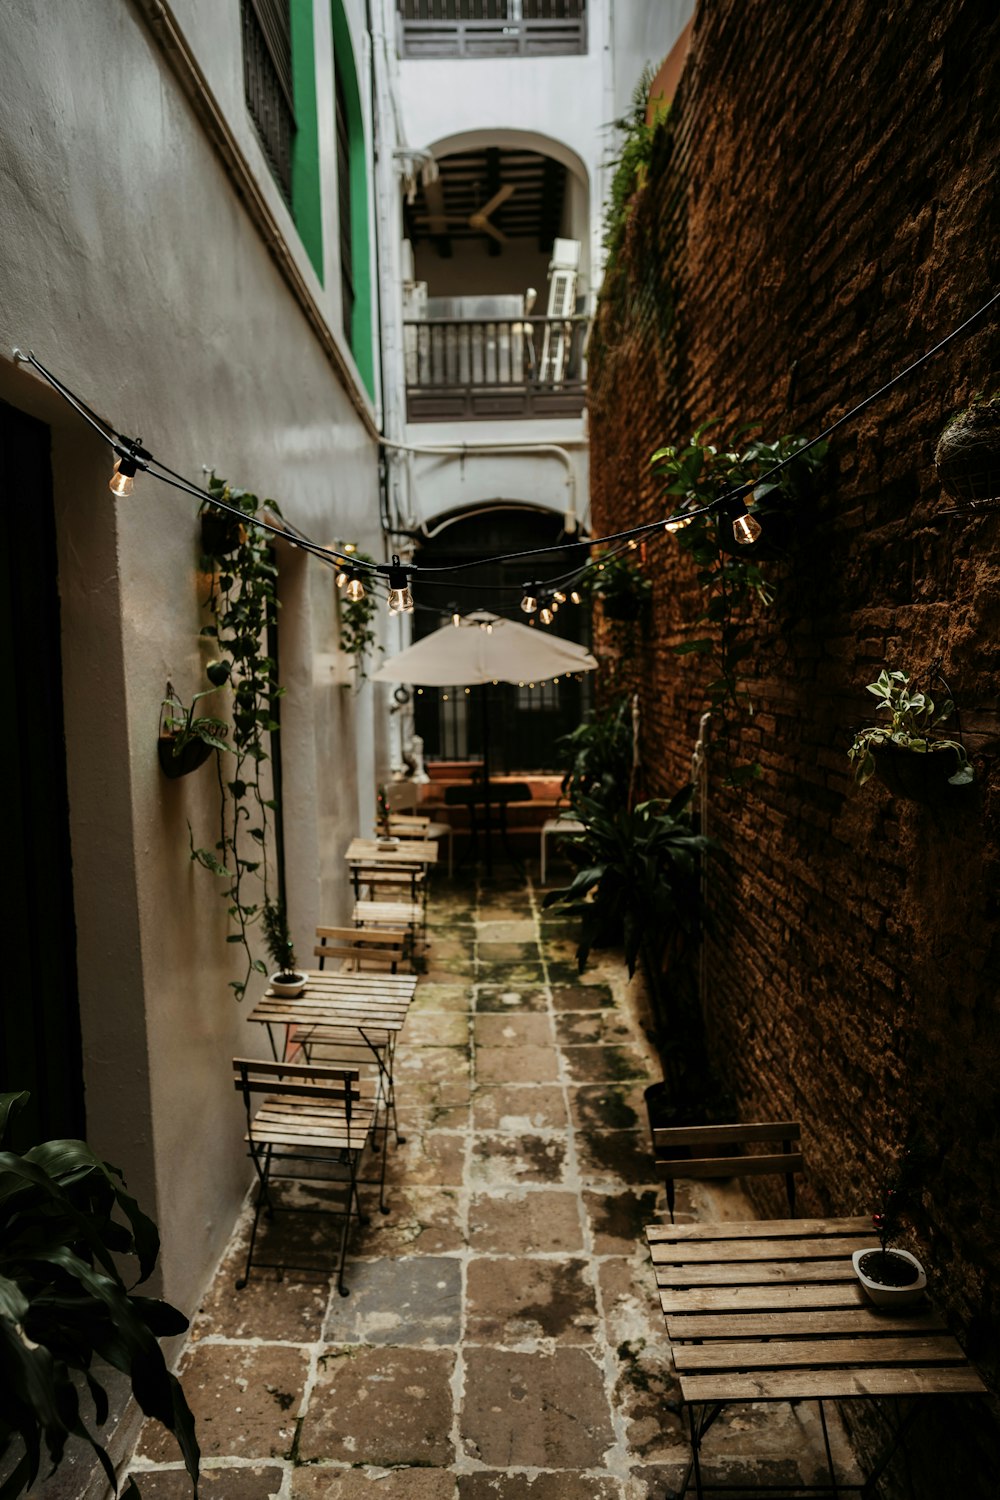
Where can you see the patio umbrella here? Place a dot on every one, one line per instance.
(485, 648)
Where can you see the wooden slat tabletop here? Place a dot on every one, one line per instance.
(405, 852)
(771, 1310)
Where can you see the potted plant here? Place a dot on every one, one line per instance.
(906, 750)
(187, 739)
(221, 532)
(891, 1277)
(68, 1230)
(287, 979)
(967, 454)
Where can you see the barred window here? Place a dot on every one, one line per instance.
(267, 81)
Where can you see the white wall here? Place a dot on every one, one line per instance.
(130, 266)
(643, 32)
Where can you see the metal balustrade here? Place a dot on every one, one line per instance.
(492, 28)
(494, 367)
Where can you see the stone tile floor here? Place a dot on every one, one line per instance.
(503, 1338)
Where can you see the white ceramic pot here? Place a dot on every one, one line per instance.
(280, 987)
(890, 1296)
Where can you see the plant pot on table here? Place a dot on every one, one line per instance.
(890, 1278)
(288, 983)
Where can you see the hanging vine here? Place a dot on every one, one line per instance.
(242, 599)
(357, 618)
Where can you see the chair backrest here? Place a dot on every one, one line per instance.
(704, 1151)
(358, 946)
(401, 827)
(402, 795)
(296, 1080)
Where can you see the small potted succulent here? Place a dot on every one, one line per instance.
(967, 454)
(287, 979)
(891, 1277)
(187, 739)
(907, 750)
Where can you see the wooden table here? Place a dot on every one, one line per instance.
(351, 1013)
(771, 1310)
(405, 852)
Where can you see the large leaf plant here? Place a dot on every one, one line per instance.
(66, 1222)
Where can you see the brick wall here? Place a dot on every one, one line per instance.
(822, 208)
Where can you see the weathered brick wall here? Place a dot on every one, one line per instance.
(822, 208)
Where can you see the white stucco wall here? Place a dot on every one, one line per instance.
(131, 268)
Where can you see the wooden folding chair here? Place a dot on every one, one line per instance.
(312, 1114)
(360, 948)
(705, 1151)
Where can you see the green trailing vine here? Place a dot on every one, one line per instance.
(735, 580)
(357, 618)
(242, 598)
(631, 165)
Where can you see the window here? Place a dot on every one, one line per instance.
(267, 81)
(279, 80)
(344, 208)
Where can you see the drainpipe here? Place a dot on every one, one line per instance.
(466, 450)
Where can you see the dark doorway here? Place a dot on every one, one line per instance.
(525, 722)
(40, 1020)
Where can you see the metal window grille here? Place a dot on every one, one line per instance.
(344, 207)
(267, 82)
(492, 28)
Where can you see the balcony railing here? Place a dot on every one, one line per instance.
(492, 28)
(458, 369)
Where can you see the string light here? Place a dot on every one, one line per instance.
(574, 597)
(127, 464)
(355, 587)
(545, 615)
(677, 524)
(343, 577)
(529, 603)
(400, 598)
(558, 597)
(746, 529)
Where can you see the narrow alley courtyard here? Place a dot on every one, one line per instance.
(502, 1339)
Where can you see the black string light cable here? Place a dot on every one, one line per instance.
(132, 458)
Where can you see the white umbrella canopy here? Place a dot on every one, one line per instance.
(485, 648)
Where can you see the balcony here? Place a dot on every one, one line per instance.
(492, 28)
(458, 369)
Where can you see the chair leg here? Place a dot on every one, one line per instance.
(263, 1201)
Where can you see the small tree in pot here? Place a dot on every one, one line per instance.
(891, 1276)
(288, 979)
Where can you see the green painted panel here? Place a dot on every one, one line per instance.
(361, 321)
(307, 203)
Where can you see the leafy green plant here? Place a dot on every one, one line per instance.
(734, 579)
(182, 726)
(357, 617)
(639, 876)
(598, 757)
(63, 1304)
(242, 599)
(619, 583)
(279, 940)
(912, 721)
(632, 162)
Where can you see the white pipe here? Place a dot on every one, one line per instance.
(466, 450)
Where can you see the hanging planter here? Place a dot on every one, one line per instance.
(907, 751)
(221, 534)
(185, 741)
(967, 455)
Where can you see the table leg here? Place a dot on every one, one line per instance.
(826, 1444)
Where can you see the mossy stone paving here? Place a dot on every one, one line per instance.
(503, 1338)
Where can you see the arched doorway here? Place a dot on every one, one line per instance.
(525, 722)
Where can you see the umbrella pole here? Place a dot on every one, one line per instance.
(485, 705)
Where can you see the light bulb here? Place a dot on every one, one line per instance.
(529, 604)
(546, 616)
(574, 597)
(355, 590)
(400, 601)
(350, 546)
(746, 529)
(456, 619)
(400, 598)
(120, 482)
(678, 523)
(342, 578)
(558, 597)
